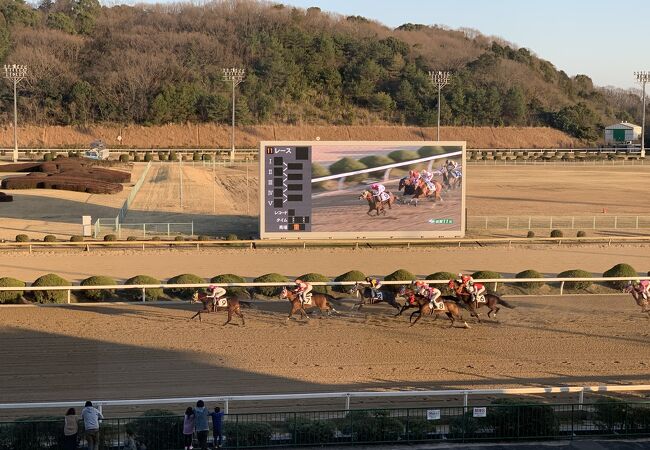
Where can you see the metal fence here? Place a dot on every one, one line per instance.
(155, 229)
(556, 162)
(134, 191)
(602, 221)
(497, 421)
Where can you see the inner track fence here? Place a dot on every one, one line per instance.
(594, 222)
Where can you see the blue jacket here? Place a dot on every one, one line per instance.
(217, 418)
(201, 419)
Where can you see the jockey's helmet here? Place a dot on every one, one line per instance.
(212, 286)
(460, 275)
(298, 280)
(374, 186)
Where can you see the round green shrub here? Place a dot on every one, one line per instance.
(204, 238)
(430, 150)
(237, 291)
(270, 291)
(349, 165)
(530, 273)
(196, 156)
(207, 157)
(124, 158)
(399, 275)
(487, 274)
(22, 238)
(48, 157)
(179, 238)
(352, 275)
(442, 276)
(49, 238)
(557, 234)
(132, 238)
(151, 294)
(173, 156)
(232, 237)
(376, 160)
(620, 270)
(530, 234)
(110, 238)
(318, 171)
(163, 156)
(50, 296)
(581, 234)
(136, 157)
(11, 296)
(148, 157)
(155, 238)
(76, 238)
(317, 277)
(183, 293)
(403, 155)
(98, 294)
(575, 273)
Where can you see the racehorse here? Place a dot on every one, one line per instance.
(492, 301)
(453, 181)
(638, 298)
(232, 306)
(451, 308)
(420, 190)
(318, 300)
(408, 185)
(379, 206)
(364, 293)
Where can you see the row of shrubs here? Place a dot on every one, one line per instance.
(113, 237)
(137, 157)
(557, 234)
(545, 156)
(619, 270)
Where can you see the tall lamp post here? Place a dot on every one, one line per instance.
(235, 76)
(440, 79)
(642, 77)
(15, 73)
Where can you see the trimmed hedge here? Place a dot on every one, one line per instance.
(557, 234)
(11, 296)
(318, 171)
(403, 155)
(349, 165)
(132, 238)
(51, 279)
(231, 278)
(620, 270)
(110, 238)
(530, 273)
(76, 238)
(352, 275)
(399, 275)
(376, 160)
(429, 150)
(575, 273)
(581, 234)
(530, 234)
(489, 275)
(248, 434)
(232, 237)
(270, 291)
(185, 278)
(22, 238)
(309, 277)
(136, 294)
(49, 238)
(98, 294)
(124, 158)
(442, 276)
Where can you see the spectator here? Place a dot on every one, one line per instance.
(70, 430)
(217, 420)
(201, 424)
(129, 443)
(91, 417)
(188, 428)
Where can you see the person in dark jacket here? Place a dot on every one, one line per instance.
(217, 422)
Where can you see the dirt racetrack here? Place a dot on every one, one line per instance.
(144, 351)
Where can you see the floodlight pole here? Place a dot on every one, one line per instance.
(15, 73)
(235, 76)
(440, 79)
(642, 77)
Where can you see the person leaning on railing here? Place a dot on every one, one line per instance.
(91, 417)
(70, 430)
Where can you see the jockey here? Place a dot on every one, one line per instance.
(414, 176)
(427, 177)
(303, 289)
(377, 190)
(476, 290)
(644, 288)
(433, 293)
(417, 287)
(215, 293)
(375, 285)
(451, 166)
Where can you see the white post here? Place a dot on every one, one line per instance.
(347, 402)
(581, 399)
(562, 288)
(225, 406)
(637, 222)
(144, 295)
(68, 295)
(465, 398)
(507, 222)
(615, 222)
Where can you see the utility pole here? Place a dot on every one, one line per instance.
(235, 76)
(642, 77)
(440, 79)
(180, 167)
(15, 73)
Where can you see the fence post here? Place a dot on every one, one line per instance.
(551, 225)
(530, 221)
(465, 398)
(144, 230)
(637, 222)
(486, 222)
(573, 222)
(615, 222)
(144, 294)
(69, 295)
(507, 222)
(561, 287)
(581, 399)
(167, 228)
(347, 402)
(192, 229)
(225, 406)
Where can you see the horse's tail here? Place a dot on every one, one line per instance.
(501, 301)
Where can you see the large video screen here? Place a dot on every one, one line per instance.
(320, 190)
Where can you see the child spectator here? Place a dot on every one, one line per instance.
(188, 428)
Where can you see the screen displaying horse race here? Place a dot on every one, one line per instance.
(320, 189)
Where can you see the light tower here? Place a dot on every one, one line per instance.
(642, 77)
(235, 76)
(15, 73)
(440, 79)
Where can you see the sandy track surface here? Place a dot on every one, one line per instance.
(139, 351)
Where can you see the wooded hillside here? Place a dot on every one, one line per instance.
(158, 64)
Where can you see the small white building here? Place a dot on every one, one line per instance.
(622, 133)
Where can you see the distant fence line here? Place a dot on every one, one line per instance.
(144, 287)
(602, 221)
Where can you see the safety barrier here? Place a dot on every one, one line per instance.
(143, 287)
(601, 221)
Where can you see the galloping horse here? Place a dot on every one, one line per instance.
(408, 185)
(363, 292)
(232, 306)
(420, 190)
(492, 301)
(379, 206)
(318, 300)
(451, 308)
(638, 298)
(453, 181)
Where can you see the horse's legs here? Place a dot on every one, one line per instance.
(294, 309)
(229, 317)
(419, 313)
(198, 313)
(303, 313)
(401, 310)
(241, 316)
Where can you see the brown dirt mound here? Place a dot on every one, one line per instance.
(66, 174)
